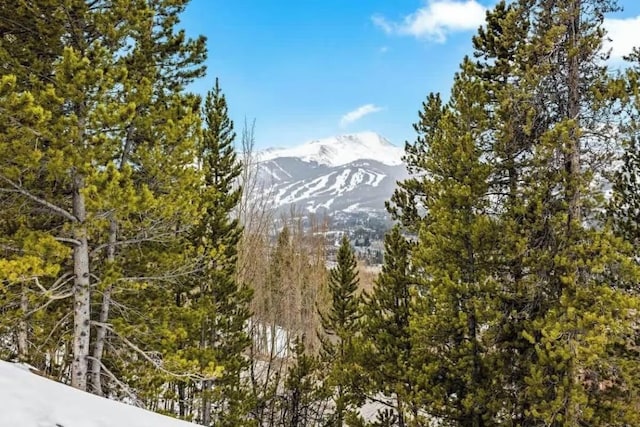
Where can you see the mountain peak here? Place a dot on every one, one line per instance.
(341, 150)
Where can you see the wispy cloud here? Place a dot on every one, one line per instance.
(436, 19)
(358, 113)
(382, 23)
(624, 34)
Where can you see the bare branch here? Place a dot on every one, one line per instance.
(55, 209)
(37, 282)
(51, 299)
(69, 240)
(136, 400)
(10, 248)
(144, 354)
(61, 281)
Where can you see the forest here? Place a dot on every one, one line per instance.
(135, 266)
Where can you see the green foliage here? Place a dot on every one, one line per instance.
(96, 141)
(340, 350)
(523, 313)
(343, 315)
(386, 331)
(624, 206)
(517, 304)
(303, 395)
(452, 355)
(221, 302)
(406, 202)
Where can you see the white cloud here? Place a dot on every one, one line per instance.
(624, 34)
(358, 113)
(382, 23)
(436, 19)
(383, 49)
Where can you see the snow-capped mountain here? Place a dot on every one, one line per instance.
(347, 173)
(341, 150)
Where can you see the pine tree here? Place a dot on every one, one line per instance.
(456, 237)
(545, 271)
(624, 208)
(303, 396)
(78, 80)
(340, 326)
(517, 119)
(574, 261)
(386, 329)
(155, 142)
(30, 257)
(115, 148)
(223, 301)
(407, 202)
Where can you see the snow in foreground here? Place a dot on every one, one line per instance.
(28, 400)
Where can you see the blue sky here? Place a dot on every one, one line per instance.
(307, 69)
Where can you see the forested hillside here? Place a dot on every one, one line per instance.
(137, 263)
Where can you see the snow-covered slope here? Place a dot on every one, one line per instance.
(28, 400)
(341, 150)
(349, 173)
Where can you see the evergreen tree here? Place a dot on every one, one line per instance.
(457, 291)
(386, 330)
(303, 396)
(78, 78)
(340, 325)
(407, 203)
(223, 302)
(517, 118)
(537, 114)
(156, 141)
(574, 262)
(116, 144)
(624, 208)
(30, 257)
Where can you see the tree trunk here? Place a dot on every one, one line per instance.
(400, 410)
(206, 402)
(98, 349)
(182, 406)
(572, 161)
(81, 290)
(101, 330)
(23, 327)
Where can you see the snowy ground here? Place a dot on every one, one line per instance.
(28, 400)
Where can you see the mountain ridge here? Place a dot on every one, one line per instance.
(340, 150)
(352, 173)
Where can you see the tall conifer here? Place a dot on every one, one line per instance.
(386, 329)
(223, 302)
(539, 112)
(340, 326)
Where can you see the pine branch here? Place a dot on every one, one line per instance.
(155, 238)
(148, 358)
